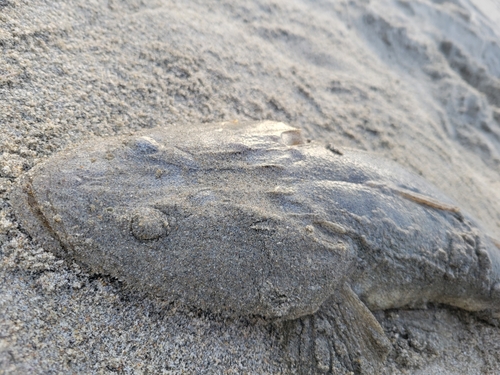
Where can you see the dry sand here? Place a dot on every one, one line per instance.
(416, 81)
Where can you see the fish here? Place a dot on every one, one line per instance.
(255, 219)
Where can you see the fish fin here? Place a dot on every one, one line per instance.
(342, 336)
(419, 198)
(426, 200)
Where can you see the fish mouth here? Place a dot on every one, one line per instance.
(32, 218)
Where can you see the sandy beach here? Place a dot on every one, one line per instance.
(415, 81)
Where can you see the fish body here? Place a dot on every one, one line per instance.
(254, 219)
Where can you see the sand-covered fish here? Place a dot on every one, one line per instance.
(254, 219)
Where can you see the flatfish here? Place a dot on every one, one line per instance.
(254, 219)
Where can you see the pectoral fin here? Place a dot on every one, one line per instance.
(342, 336)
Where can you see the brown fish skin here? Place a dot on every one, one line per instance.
(251, 218)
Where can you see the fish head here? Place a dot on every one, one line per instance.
(193, 218)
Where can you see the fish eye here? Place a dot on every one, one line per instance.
(292, 137)
(145, 145)
(148, 224)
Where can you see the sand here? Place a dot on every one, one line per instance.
(415, 81)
